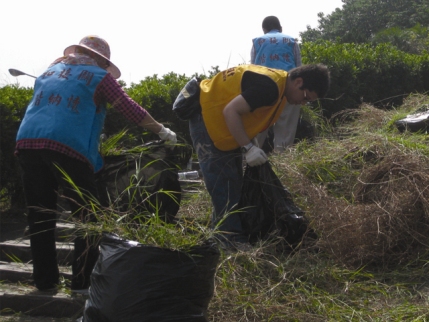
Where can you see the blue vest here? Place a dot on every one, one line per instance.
(62, 109)
(275, 50)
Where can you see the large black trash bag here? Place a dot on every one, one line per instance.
(137, 181)
(135, 282)
(267, 210)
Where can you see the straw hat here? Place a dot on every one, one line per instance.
(98, 46)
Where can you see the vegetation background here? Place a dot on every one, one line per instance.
(361, 180)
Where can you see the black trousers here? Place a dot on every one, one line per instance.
(41, 180)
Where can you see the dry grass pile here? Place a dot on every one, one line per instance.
(366, 189)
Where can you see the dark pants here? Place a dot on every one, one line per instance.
(41, 180)
(223, 177)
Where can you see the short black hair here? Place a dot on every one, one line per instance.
(270, 23)
(316, 78)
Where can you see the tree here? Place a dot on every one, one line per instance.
(413, 40)
(359, 21)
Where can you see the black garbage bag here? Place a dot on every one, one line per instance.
(267, 210)
(135, 282)
(146, 182)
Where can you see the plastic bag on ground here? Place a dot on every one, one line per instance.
(417, 122)
(135, 282)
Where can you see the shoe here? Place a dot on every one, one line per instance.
(84, 291)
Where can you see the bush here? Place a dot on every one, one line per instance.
(157, 96)
(14, 100)
(380, 75)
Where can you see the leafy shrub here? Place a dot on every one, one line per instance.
(380, 75)
(157, 96)
(13, 102)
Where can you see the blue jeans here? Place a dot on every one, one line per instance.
(223, 176)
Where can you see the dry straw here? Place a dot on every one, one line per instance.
(367, 192)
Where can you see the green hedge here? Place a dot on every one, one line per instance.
(13, 102)
(380, 75)
(157, 95)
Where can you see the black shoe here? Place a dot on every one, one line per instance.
(46, 287)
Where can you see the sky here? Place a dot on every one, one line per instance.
(145, 37)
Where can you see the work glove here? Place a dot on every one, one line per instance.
(255, 156)
(167, 135)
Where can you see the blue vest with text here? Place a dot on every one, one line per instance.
(275, 50)
(63, 110)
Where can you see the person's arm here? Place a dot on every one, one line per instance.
(149, 123)
(232, 114)
(257, 91)
(164, 133)
(112, 92)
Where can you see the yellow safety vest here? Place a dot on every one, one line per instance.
(218, 91)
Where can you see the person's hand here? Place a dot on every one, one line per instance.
(167, 135)
(255, 156)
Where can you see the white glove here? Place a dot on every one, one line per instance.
(255, 156)
(167, 135)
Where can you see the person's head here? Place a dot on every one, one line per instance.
(98, 49)
(270, 23)
(307, 83)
